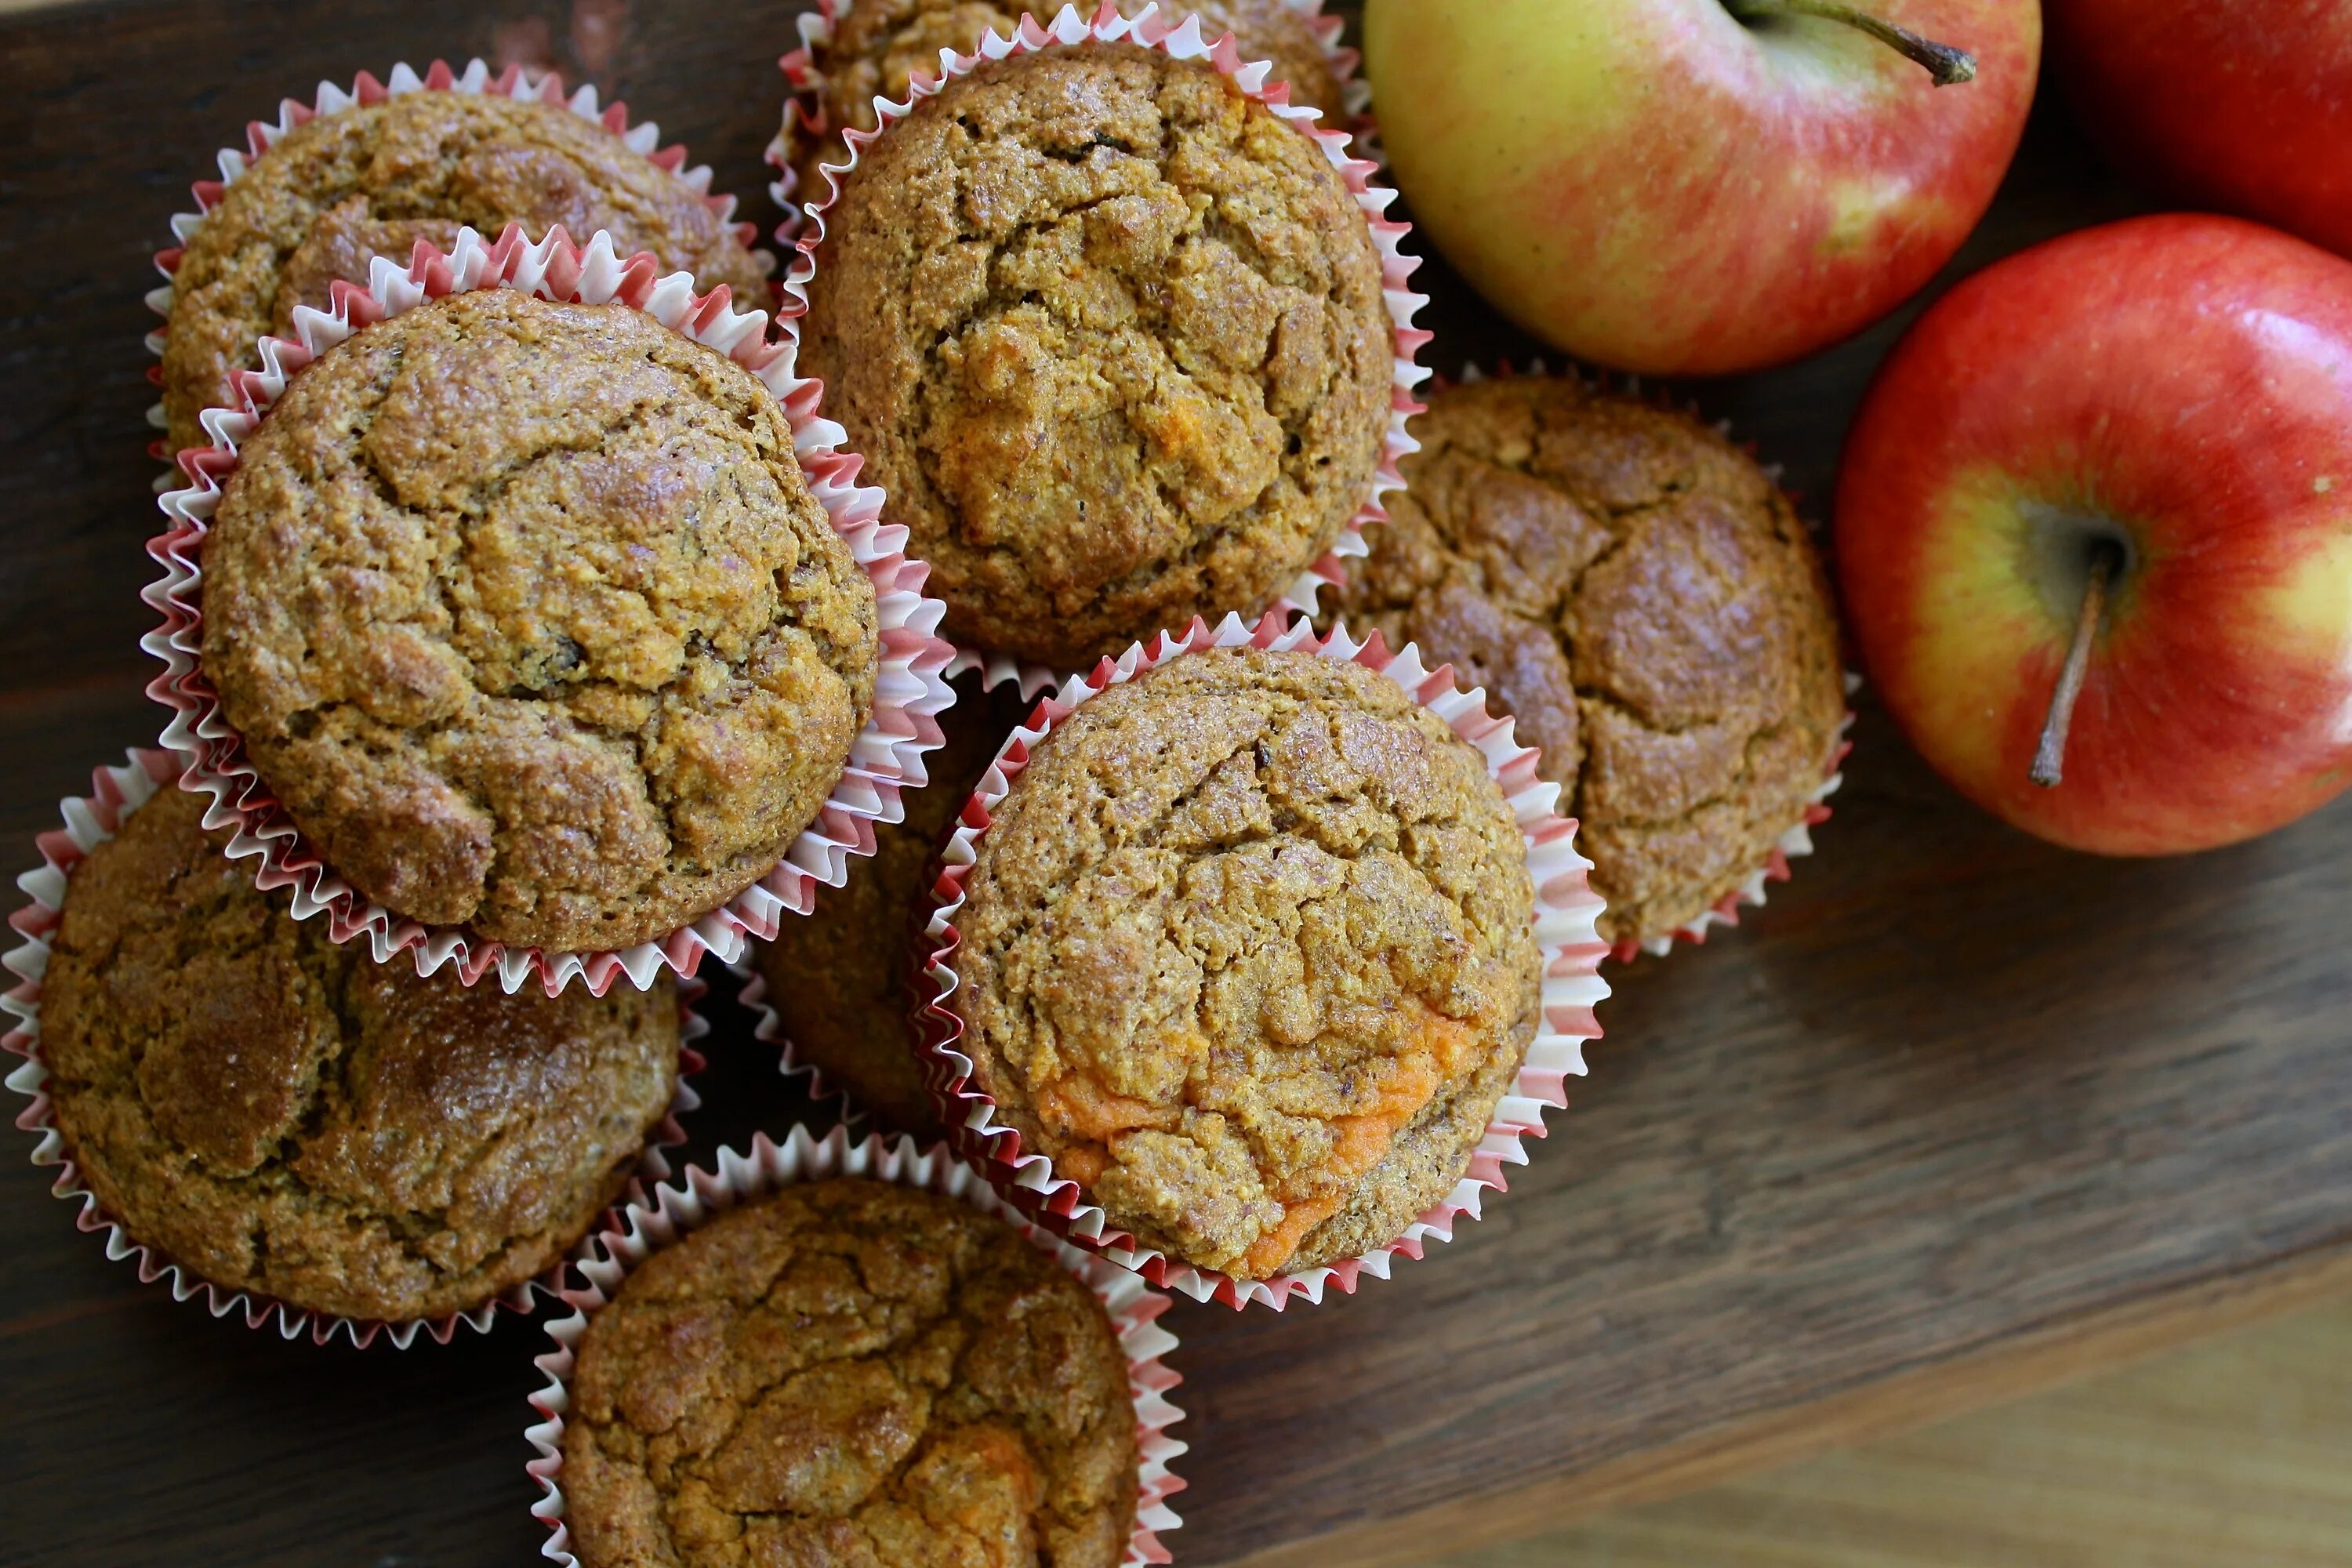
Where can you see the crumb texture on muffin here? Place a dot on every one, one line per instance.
(840, 978)
(528, 617)
(1112, 337)
(282, 1115)
(850, 1372)
(878, 46)
(374, 180)
(1248, 951)
(1645, 601)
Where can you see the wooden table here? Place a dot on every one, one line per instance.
(1958, 1114)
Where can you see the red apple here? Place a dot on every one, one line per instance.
(1664, 186)
(2176, 391)
(2240, 107)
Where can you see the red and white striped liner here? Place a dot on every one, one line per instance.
(89, 821)
(804, 90)
(910, 688)
(675, 1209)
(1152, 30)
(1798, 841)
(1565, 913)
(513, 82)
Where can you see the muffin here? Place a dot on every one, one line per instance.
(839, 979)
(374, 179)
(877, 47)
(1111, 335)
(1247, 951)
(528, 618)
(280, 1115)
(850, 1372)
(1642, 599)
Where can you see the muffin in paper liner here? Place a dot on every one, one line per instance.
(90, 820)
(1153, 29)
(476, 78)
(669, 1212)
(804, 83)
(1565, 914)
(1798, 841)
(768, 1028)
(910, 688)
(1792, 844)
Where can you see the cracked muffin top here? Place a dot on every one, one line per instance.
(531, 622)
(1248, 951)
(857, 1373)
(840, 978)
(283, 1115)
(1643, 600)
(1111, 335)
(878, 46)
(374, 180)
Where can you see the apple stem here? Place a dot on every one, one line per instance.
(1949, 66)
(2050, 757)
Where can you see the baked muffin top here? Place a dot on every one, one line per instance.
(1111, 336)
(374, 180)
(878, 46)
(531, 622)
(1248, 951)
(283, 1115)
(850, 1372)
(840, 979)
(1643, 600)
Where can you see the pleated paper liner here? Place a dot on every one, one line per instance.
(804, 115)
(1798, 841)
(672, 1211)
(1153, 29)
(89, 821)
(1565, 911)
(910, 690)
(476, 78)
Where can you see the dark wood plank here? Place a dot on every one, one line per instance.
(1956, 1114)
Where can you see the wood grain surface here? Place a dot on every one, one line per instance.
(2235, 1451)
(1957, 1115)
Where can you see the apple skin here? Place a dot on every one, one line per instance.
(1653, 185)
(2182, 383)
(2246, 109)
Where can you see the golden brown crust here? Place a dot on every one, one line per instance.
(1248, 951)
(1645, 602)
(878, 46)
(282, 1115)
(530, 620)
(374, 179)
(857, 1374)
(839, 979)
(1112, 337)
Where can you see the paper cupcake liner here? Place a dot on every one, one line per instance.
(514, 82)
(804, 90)
(1154, 30)
(677, 1208)
(89, 821)
(1798, 841)
(910, 690)
(1565, 914)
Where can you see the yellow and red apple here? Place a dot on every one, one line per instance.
(2174, 393)
(2244, 109)
(1696, 186)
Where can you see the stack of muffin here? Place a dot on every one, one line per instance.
(519, 624)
